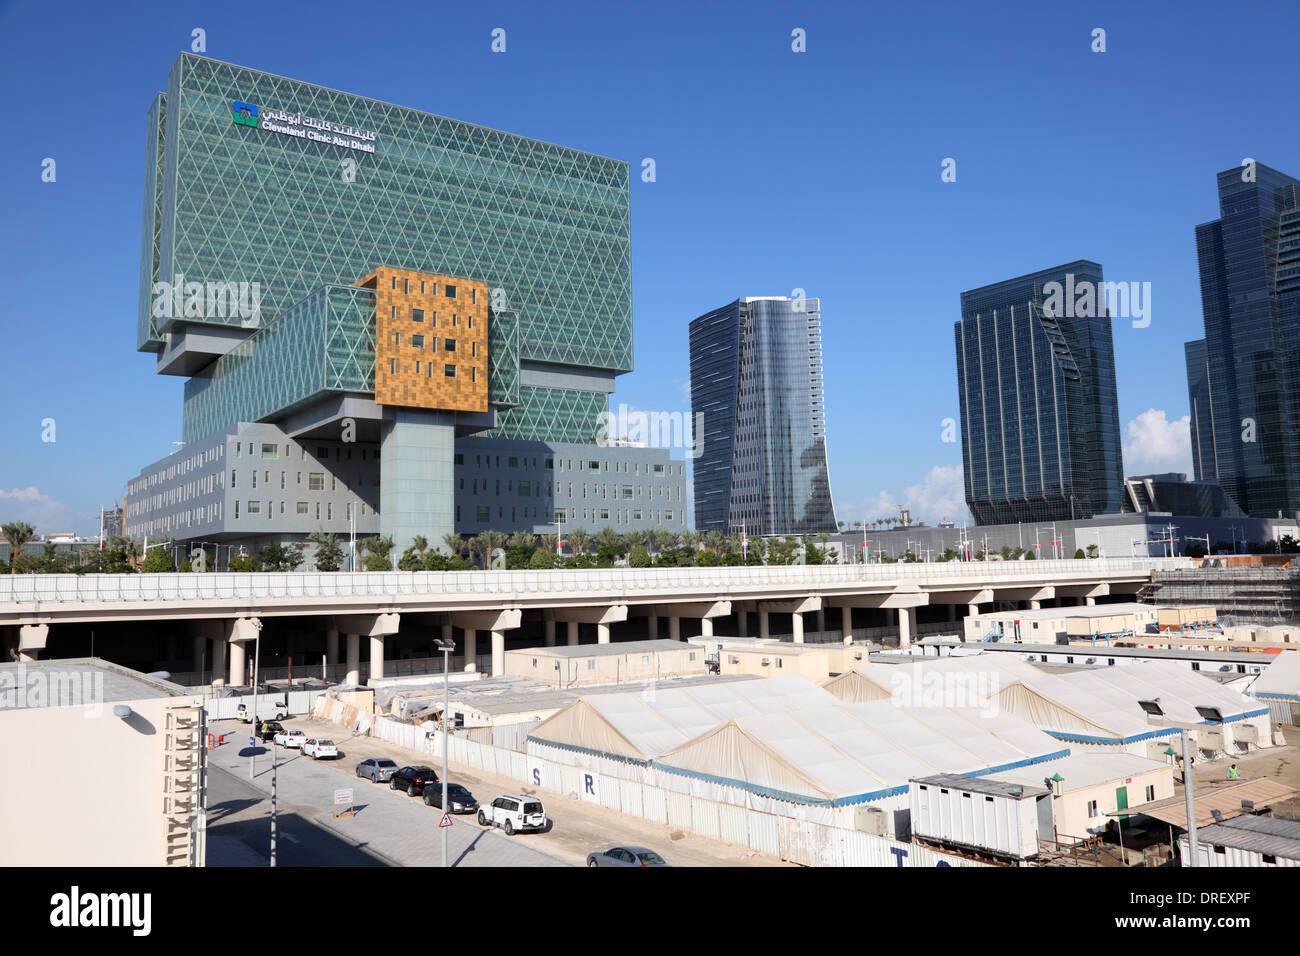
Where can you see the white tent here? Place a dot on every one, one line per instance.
(853, 753)
(1280, 680)
(640, 725)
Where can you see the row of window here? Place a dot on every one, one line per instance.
(427, 369)
(431, 288)
(654, 469)
(448, 345)
(417, 315)
(254, 507)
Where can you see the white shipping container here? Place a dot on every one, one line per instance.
(1001, 818)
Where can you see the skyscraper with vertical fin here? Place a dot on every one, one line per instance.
(1243, 378)
(1039, 407)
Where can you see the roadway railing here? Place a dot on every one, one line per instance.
(608, 585)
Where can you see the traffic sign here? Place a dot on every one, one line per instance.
(252, 741)
(445, 821)
(342, 796)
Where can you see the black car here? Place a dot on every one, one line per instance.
(273, 727)
(413, 780)
(461, 800)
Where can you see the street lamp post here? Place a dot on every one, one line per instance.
(257, 652)
(446, 647)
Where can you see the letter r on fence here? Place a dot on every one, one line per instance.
(591, 789)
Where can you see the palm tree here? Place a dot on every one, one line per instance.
(421, 544)
(732, 543)
(713, 541)
(134, 553)
(635, 538)
(523, 539)
(609, 538)
(664, 539)
(691, 539)
(17, 534)
(489, 541)
(454, 544)
(579, 541)
(548, 541)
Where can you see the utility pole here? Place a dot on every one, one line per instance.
(446, 647)
(1193, 849)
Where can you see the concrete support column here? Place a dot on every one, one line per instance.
(952, 612)
(742, 622)
(796, 624)
(573, 633)
(706, 627)
(972, 610)
(218, 666)
(200, 652)
(498, 653)
(448, 635)
(1091, 601)
(652, 627)
(238, 663)
(1035, 605)
(376, 656)
(353, 676)
(821, 622)
(471, 650)
(602, 633)
(675, 628)
(762, 624)
(905, 626)
(332, 646)
(846, 626)
(550, 632)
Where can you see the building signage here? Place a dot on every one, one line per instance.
(303, 127)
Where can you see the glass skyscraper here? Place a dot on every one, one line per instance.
(1039, 408)
(337, 275)
(1243, 378)
(756, 387)
(254, 178)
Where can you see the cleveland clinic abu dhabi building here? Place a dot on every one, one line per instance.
(389, 322)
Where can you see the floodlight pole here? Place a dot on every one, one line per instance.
(446, 664)
(1193, 848)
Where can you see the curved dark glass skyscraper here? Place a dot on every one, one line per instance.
(756, 383)
(1243, 378)
(1039, 409)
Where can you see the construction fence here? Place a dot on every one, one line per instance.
(786, 837)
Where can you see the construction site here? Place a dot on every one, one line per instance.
(1241, 595)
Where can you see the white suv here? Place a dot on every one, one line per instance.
(514, 814)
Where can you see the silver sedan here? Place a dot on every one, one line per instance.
(626, 856)
(377, 769)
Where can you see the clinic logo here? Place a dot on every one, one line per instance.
(245, 114)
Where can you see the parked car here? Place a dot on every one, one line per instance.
(514, 814)
(318, 747)
(377, 769)
(626, 856)
(460, 799)
(272, 728)
(269, 710)
(290, 738)
(413, 780)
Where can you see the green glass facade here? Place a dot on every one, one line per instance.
(228, 198)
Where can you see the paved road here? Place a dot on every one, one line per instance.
(579, 827)
(389, 829)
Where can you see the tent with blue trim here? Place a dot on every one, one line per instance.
(854, 753)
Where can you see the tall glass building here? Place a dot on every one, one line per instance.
(1039, 408)
(346, 270)
(756, 387)
(1243, 378)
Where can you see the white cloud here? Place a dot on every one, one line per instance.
(41, 511)
(941, 494)
(1153, 444)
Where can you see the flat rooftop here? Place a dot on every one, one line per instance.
(509, 696)
(613, 649)
(1156, 653)
(989, 785)
(1081, 610)
(77, 681)
(1083, 769)
(1275, 835)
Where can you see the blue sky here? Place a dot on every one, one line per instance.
(775, 170)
